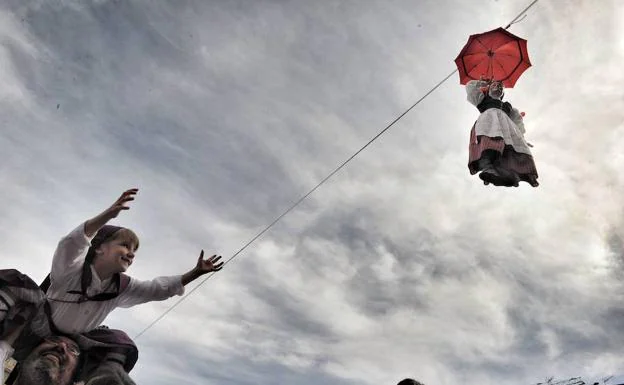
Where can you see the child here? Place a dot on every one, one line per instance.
(87, 281)
(497, 146)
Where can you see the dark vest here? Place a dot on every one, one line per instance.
(489, 102)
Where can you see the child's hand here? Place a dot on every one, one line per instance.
(208, 265)
(204, 266)
(92, 225)
(119, 204)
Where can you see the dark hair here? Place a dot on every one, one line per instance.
(409, 381)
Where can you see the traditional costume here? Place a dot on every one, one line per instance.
(497, 147)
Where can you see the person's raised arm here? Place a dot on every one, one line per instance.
(92, 225)
(474, 91)
(72, 248)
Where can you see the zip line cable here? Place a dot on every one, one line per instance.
(516, 19)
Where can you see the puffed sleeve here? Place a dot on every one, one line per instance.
(473, 91)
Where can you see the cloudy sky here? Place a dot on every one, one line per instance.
(224, 113)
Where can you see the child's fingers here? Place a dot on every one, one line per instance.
(123, 199)
(129, 193)
(121, 205)
(126, 196)
(126, 200)
(214, 258)
(118, 207)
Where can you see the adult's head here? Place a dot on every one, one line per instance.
(54, 362)
(409, 381)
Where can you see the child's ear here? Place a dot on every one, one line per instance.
(99, 250)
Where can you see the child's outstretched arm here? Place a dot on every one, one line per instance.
(71, 250)
(94, 224)
(161, 288)
(204, 266)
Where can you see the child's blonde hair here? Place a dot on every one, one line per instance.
(126, 235)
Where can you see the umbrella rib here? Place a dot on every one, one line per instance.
(473, 67)
(501, 67)
(472, 54)
(508, 55)
(518, 64)
(480, 42)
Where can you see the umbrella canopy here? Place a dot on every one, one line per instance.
(496, 55)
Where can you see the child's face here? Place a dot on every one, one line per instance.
(117, 255)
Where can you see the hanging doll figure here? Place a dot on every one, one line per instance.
(497, 147)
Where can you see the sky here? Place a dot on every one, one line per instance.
(224, 113)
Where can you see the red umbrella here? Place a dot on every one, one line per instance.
(496, 55)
